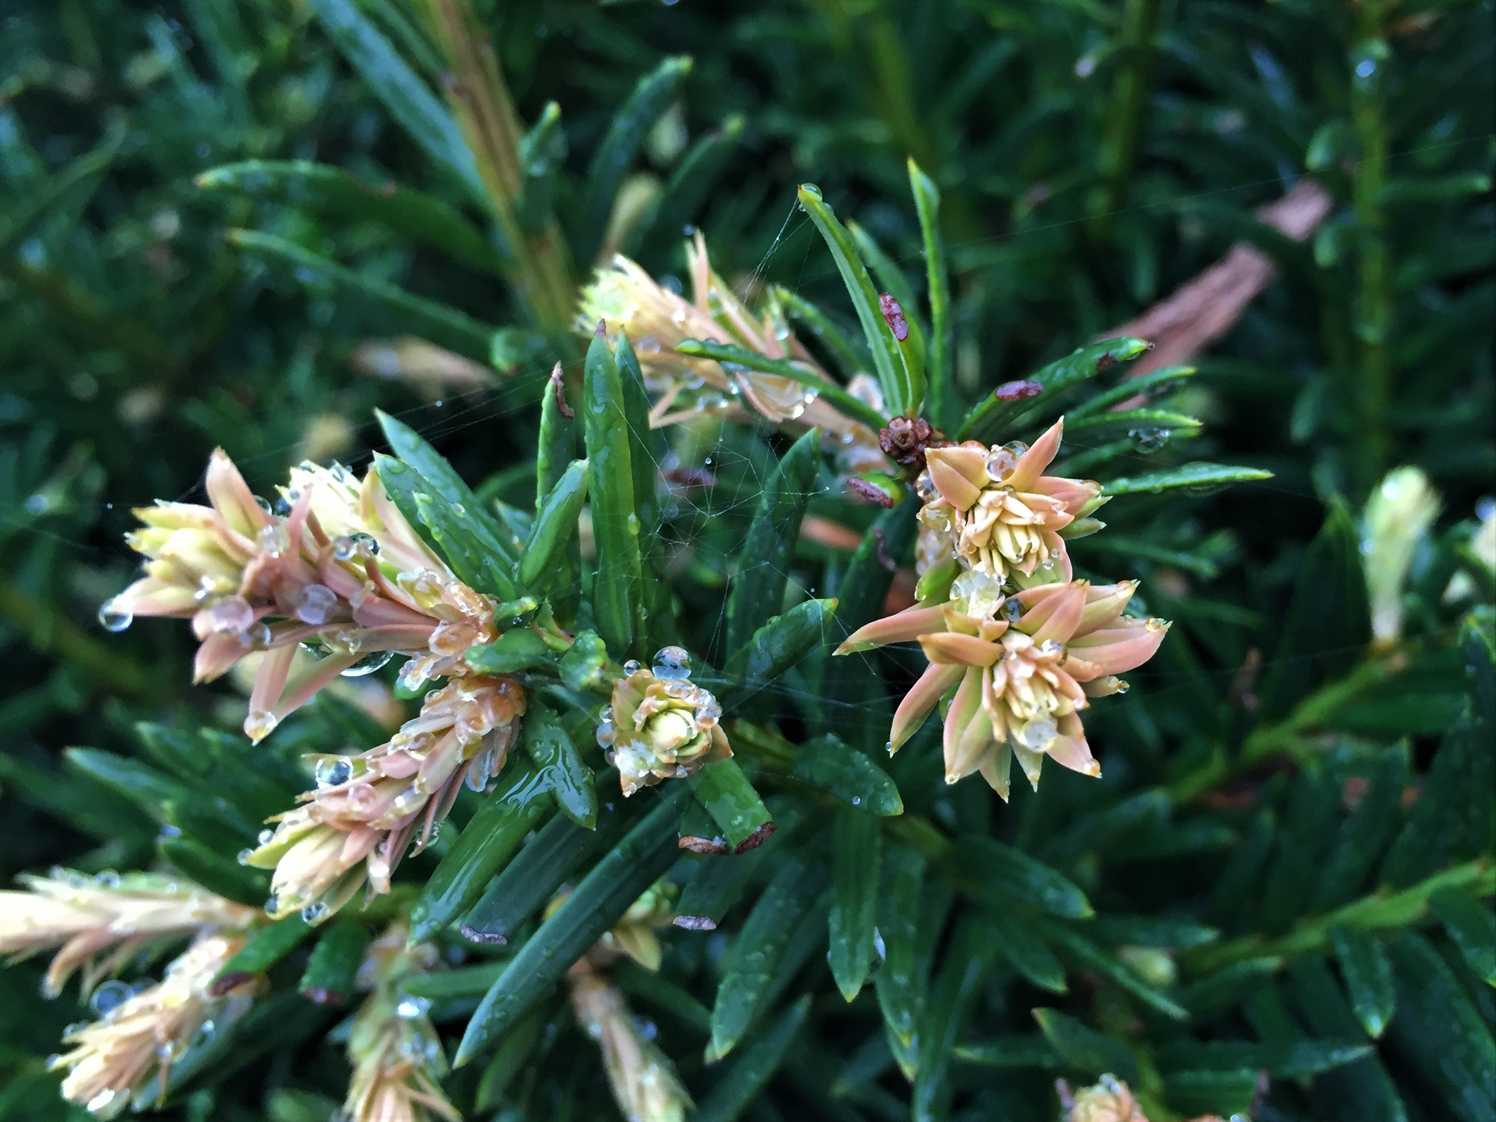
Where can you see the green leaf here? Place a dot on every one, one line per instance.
(408, 99)
(1012, 1052)
(554, 529)
(542, 153)
(649, 99)
(1142, 421)
(594, 906)
(413, 449)
(332, 193)
(143, 785)
(610, 482)
(1086, 1049)
(898, 985)
(992, 415)
(1197, 477)
(1094, 958)
(1193, 1091)
(953, 998)
(491, 838)
(653, 611)
(1367, 975)
(899, 390)
(438, 323)
(1327, 624)
(751, 961)
(1152, 384)
(1151, 931)
(851, 360)
(512, 652)
(777, 646)
(733, 355)
(332, 969)
(938, 395)
(827, 763)
(560, 765)
(1228, 987)
(1471, 926)
(691, 183)
(1306, 837)
(750, 1072)
(463, 982)
(550, 858)
(266, 946)
(510, 1059)
(1023, 945)
(1365, 833)
(856, 860)
(1007, 874)
(730, 799)
(1439, 1032)
(214, 871)
(476, 556)
(764, 563)
(75, 184)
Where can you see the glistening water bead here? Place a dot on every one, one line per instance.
(114, 619)
(332, 773)
(672, 664)
(368, 664)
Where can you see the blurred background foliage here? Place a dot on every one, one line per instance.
(1092, 157)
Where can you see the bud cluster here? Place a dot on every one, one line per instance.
(1001, 620)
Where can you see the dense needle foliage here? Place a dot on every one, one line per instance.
(250, 224)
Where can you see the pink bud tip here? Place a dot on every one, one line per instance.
(893, 315)
(1017, 391)
(865, 490)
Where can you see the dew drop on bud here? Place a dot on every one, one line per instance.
(313, 913)
(263, 503)
(368, 664)
(1051, 648)
(245, 854)
(274, 540)
(632, 666)
(100, 1102)
(332, 773)
(260, 723)
(109, 997)
(412, 1007)
(317, 603)
(1000, 462)
(114, 619)
(1156, 624)
(230, 616)
(672, 663)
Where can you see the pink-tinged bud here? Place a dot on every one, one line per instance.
(1017, 391)
(393, 1048)
(100, 923)
(893, 315)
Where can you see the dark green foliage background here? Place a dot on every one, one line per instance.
(1084, 175)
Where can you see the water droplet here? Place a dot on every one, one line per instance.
(205, 1032)
(317, 603)
(109, 997)
(1051, 648)
(114, 619)
(1001, 461)
(245, 854)
(260, 723)
(313, 913)
(107, 879)
(648, 345)
(1155, 624)
(1149, 439)
(368, 664)
(632, 666)
(230, 616)
(1012, 611)
(411, 1007)
(332, 773)
(856, 800)
(263, 503)
(273, 538)
(672, 663)
(100, 1102)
